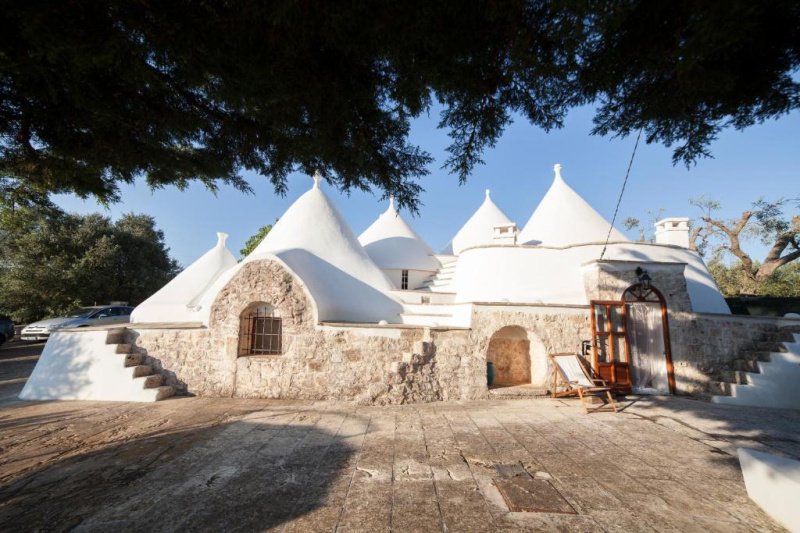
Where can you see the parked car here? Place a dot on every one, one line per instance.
(6, 329)
(80, 318)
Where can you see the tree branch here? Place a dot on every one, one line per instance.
(733, 236)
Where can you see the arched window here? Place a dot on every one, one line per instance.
(260, 331)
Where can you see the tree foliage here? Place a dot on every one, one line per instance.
(732, 281)
(772, 223)
(52, 261)
(255, 240)
(94, 94)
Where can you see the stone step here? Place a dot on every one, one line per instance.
(124, 348)
(427, 319)
(777, 336)
(139, 371)
(769, 346)
(417, 296)
(745, 365)
(429, 309)
(755, 355)
(736, 376)
(133, 359)
(116, 335)
(719, 388)
(156, 394)
(516, 392)
(150, 382)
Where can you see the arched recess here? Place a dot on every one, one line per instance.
(648, 337)
(518, 357)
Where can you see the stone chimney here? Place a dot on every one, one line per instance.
(505, 234)
(674, 231)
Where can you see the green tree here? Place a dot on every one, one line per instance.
(52, 261)
(769, 222)
(732, 281)
(94, 94)
(255, 240)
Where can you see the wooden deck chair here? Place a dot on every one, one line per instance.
(571, 375)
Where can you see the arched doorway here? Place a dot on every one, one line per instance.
(509, 352)
(648, 337)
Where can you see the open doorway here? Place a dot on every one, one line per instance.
(630, 342)
(648, 334)
(509, 353)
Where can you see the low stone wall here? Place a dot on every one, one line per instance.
(368, 365)
(704, 346)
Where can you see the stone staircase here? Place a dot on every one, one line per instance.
(767, 375)
(151, 384)
(442, 281)
(517, 392)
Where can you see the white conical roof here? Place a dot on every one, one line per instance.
(479, 229)
(392, 244)
(563, 218)
(316, 243)
(176, 301)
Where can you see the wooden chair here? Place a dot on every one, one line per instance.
(571, 375)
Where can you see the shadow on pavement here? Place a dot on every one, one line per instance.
(247, 475)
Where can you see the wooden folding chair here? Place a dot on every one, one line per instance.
(571, 376)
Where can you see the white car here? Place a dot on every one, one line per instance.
(80, 318)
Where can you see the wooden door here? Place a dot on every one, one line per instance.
(610, 348)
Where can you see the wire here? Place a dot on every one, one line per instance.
(621, 192)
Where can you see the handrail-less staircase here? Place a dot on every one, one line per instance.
(767, 376)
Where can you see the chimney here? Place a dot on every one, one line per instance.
(505, 234)
(674, 231)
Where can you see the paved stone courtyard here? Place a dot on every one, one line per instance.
(201, 464)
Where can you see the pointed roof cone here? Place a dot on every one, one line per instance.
(314, 241)
(176, 301)
(479, 229)
(393, 244)
(564, 218)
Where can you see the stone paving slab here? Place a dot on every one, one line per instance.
(205, 464)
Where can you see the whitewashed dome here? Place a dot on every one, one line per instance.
(564, 218)
(392, 244)
(177, 301)
(314, 241)
(479, 229)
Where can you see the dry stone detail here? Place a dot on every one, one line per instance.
(401, 364)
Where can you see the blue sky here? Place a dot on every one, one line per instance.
(762, 161)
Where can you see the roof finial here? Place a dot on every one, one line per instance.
(557, 170)
(221, 238)
(487, 193)
(391, 202)
(317, 178)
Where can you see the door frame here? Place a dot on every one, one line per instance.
(610, 334)
(635, 294)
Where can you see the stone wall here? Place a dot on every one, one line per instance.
(549, 329)
(705, 346)
(400, 364)
(378, 364)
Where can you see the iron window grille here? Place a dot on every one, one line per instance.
(260, 333)
(404, 280)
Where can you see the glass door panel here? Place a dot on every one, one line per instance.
(611, 353)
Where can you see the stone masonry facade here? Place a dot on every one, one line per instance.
(373, 364)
